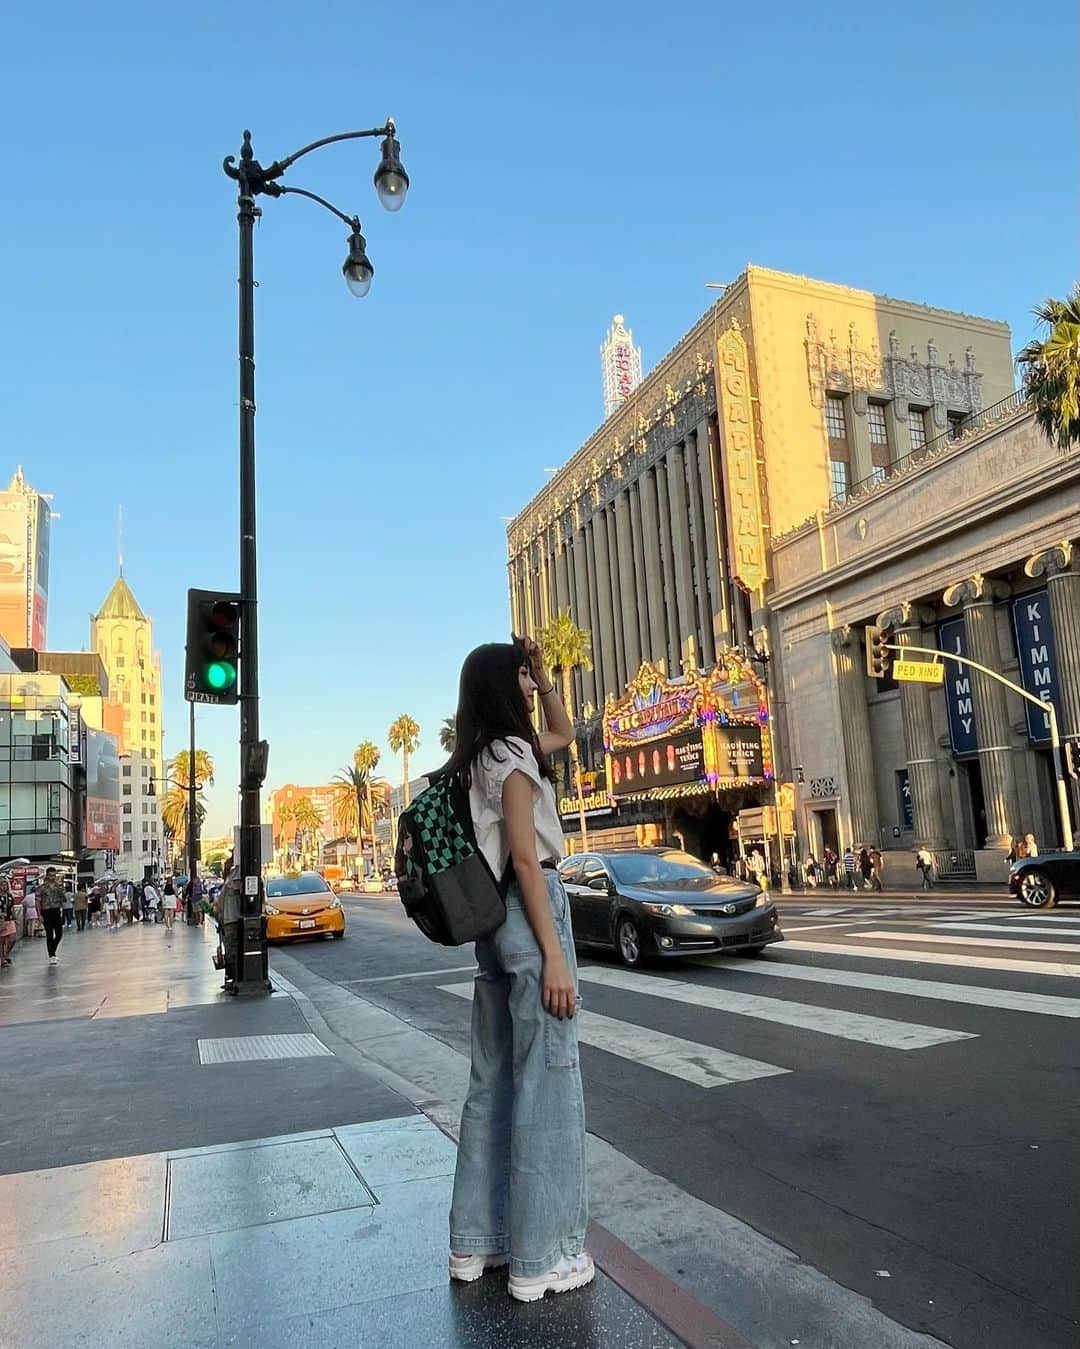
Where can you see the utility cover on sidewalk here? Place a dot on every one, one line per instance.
(247, 1048)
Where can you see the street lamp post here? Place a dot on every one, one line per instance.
(253, 179)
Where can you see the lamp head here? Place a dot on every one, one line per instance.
(356, 268)
(391, 180)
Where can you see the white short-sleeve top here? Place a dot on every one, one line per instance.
(489, 772)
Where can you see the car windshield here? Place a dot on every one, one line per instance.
(286, 887)
(646, 868)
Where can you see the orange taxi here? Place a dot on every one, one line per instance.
(302, 906)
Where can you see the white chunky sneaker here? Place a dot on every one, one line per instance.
(468, 1268)
(572, 1271)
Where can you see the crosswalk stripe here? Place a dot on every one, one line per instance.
(1038, 916)
(973, 941)
(685, 1059)
(1052, 967)
(1004, 927)
(1007, 999)
(871, 1030)
(821, 913)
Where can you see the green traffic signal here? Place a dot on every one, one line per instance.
(221, 675)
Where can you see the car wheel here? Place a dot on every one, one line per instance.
(1037, 890)
(628, 942)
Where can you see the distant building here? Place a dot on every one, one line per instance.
(284, 829)
(123, 637)
(24, 563)
(620, 365)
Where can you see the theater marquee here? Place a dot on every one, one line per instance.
(701, 734)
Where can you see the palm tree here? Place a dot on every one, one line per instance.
(366, 757)
(174, 815)
(404, 739)
(566, 647)
(174, 803)
(1051, 370)
(448, 734)
(352, 806)
(204, 768)
(308, 823)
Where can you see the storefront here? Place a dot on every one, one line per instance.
(698, 749)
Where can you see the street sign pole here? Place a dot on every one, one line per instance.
(1046, 705)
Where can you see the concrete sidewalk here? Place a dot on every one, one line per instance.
(179, 1169)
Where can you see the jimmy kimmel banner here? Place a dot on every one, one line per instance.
(1038, 659)
(959, 695)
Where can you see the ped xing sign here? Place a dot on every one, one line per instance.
(919, 671)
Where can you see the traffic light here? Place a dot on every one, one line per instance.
(213, 647)
(878, 655)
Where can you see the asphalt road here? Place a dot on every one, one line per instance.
(889, 1093)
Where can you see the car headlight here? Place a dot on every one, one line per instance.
(269, 909)
(667, 910)
(761, 901)
(335, 903)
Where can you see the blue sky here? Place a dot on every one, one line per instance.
(567, 162)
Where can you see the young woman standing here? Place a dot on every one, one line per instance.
(519, 1188)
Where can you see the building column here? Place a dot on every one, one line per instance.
(625, 546)
(697, 539)
(670, 646)
(654, 575)
(638, 547)
(1059, 565)
(515, 604)
(581, 614)
(562, 574)
(604, 596)
(616, 598)
(599, 673)
(716, 588)
(680, 538)
(906, 621)
(855, 733)
(976, 595)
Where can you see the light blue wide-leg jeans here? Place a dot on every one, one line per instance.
(519, 1187)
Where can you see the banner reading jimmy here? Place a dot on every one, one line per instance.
(102, 790)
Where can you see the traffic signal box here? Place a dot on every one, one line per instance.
(212, 673)
(878, 655)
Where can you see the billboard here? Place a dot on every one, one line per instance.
(739, 755)
(668, 762)
(102, 790)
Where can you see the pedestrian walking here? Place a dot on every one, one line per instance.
(69, 907)
(830, 862)
(168, 905)
(112, 911)
(81, 904)
(7, 921)
(50, 902)
(150, 901)
(519, 1186)
(849, 869)
(866, 867)
(1031, 847)
(811, 870)
(30, 913)
(924, 860)
(125, 901)
(877, 869)
(93, 908)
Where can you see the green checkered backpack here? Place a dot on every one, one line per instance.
(444, 881)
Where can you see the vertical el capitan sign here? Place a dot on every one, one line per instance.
(742, 493)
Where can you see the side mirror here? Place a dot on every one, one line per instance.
(600, 883)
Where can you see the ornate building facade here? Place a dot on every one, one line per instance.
(787, 395)
(971, 547)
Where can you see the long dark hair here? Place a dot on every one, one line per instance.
(491, 707)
